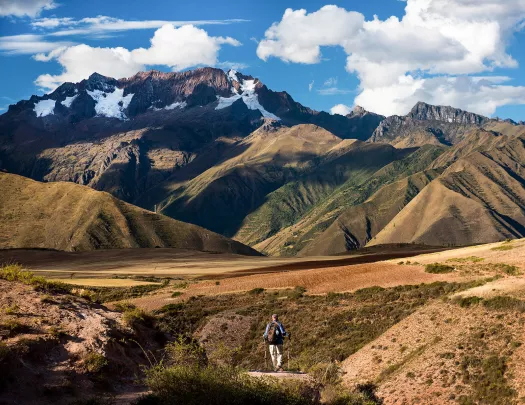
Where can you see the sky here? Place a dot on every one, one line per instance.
(384, 55)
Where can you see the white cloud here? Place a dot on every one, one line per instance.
(330, 82)
(102, 25)
(332, 91)
(53, 22)
(177, 48)
(340, 109)
(22, 8)
(28, 44)
(398, 59)
(311, 85)
(299, 36)
(482, 95)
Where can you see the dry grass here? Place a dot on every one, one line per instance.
(321, 281)
(104, 282)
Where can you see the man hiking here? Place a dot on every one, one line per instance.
(274, 335)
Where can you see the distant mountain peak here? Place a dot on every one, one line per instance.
(427, 112)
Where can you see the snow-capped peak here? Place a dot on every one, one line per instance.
(247, 94)
(111, 104)
(44, 107)
(232, 75)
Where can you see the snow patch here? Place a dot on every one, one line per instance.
(69, 100)
(111, 104)
(176, 104)
(248, 96)
(44, 107)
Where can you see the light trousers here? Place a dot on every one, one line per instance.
(276, 351)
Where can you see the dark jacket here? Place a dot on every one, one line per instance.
(281, 332)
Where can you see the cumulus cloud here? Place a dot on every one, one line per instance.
(177, 48)
(482, 95)
(22, 8)
(340, 109)
(299, 36)
(398, 60)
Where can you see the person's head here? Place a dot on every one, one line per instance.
(275, 317)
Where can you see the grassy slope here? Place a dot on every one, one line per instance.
(220, 197)
(356, 191)
(67, 216)
(478, 199)
(289, 203)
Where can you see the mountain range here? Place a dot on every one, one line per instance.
(222, 151)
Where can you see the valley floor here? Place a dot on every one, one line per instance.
(421, 326)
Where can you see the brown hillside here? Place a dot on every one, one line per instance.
(358, 224)
(66, 216)
(479, 199)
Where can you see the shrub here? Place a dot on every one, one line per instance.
(222, 385)
(467, 302)
(57, 332)
(94, 362)
(176, 294)
(438, 268)
(11, 309)
(503, 248)
(13, 326)
(508, 269)
(256, 291)
(135, 316)
(504, 303)
(184, 352)
(297, 292)
(124, 306)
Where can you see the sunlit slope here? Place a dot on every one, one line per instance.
(478, 199)
(67, 216)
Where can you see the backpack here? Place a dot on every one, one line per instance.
(273, 333)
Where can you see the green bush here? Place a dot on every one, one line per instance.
(221, 385)
(95, 362)
(438, 268)
(256, 291)
(504, 303)
(176, 294)
(467, 302)
(136, 316)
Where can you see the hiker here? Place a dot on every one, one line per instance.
(274, 335)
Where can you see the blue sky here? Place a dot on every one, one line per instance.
(438, 51)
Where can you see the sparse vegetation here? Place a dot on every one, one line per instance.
(94, 362)
(507, 269)
(467, 302)
(438, 268)
(504, 303)
(136, 316)
(186, 377)
(470, 259)
(488, 380)
(503, 247)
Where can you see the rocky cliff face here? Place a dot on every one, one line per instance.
(426, 112)
(427, 124)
